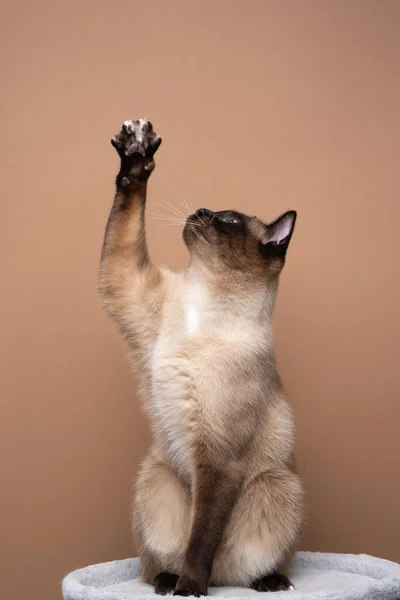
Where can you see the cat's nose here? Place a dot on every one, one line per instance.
(204, 212)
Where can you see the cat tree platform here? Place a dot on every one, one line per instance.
(316, 576)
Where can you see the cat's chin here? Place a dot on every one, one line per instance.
(196, 231)
(199, 233)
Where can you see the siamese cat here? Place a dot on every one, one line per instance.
(217, 499)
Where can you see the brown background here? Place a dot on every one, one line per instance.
(263, 106)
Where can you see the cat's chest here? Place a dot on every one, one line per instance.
(199, 354)
(174, 394)
(201, 338)
(175, 363)
(193, 360)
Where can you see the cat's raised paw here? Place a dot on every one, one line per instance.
(136, 144)
(136, 137)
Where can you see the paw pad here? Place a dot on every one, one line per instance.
(136, 137)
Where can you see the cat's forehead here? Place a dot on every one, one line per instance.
(235, 213)
(254, 225)
(231, 212)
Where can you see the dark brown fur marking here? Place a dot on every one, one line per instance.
(164, 583)
(220, 474)
(275, 582)
(214, 497)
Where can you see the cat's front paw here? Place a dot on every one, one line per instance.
(164, 583)
(136, 144)
(190, 586)
(275, 582)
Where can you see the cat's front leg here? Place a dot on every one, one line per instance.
(215, 492)
(127, 275)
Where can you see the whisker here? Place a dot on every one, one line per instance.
(175, 209)
(170, 220)
(169, 216)
(186, 204)
(175, 213)
(173, 220)
(195, 224)
(191, 207)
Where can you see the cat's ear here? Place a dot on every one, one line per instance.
(277, 235)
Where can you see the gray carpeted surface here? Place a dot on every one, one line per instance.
(316, 575)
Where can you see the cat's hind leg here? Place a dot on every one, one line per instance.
(274, 582)
(161, 522)
(262, 533)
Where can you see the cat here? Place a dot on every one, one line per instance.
(217, 499)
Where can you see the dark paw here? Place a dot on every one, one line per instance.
(188, 586)
(136, 145)
(136, 137)
(272, 583)
(164, 583)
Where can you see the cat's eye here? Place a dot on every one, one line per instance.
(231, 220)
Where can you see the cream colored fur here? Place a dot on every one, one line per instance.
(202, 342)
(202, 345)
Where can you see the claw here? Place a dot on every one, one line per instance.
(154, 144)
(116, 142)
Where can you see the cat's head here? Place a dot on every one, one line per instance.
(228, 240)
